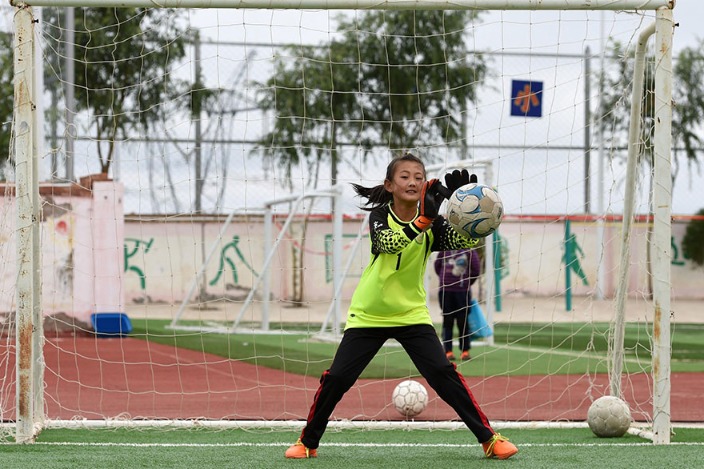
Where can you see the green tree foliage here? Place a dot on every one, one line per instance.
(6, 104)
(687, 114)
(693, 241)
(123, 67)
(400, 79)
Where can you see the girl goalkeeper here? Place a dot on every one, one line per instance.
(390, 302)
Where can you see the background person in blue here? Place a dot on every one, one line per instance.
(457, 271)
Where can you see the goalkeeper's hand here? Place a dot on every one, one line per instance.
(455, 180)
(430, 201)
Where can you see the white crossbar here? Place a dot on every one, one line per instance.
(615, 5)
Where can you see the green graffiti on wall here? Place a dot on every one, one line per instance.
(571, 259)
(328, 254)
(226, 258)
(132, 251)
(501, 255)
(676, 260)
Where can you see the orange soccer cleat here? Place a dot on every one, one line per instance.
(465, 356)
(299, 451)
(450, 356)
(499, 446)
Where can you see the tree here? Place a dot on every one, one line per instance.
(693, 241)
(122, 69)
(397, 79)
(6, 105)
(687, 114)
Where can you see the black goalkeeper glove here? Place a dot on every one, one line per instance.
(455, 180)
(430, 200)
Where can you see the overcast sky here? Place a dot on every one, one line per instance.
(510, 33)
(515, 32)
(518, 173)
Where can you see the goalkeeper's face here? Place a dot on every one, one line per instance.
(406, 182)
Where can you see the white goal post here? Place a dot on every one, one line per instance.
(26, 129)
(369, 4)
(263, 281)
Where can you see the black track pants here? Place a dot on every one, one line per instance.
(359, 346)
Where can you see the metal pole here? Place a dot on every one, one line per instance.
(634, 148)
(496, 242)
(37, 313)
(490, 307)
(28, 288)
(202, 271)
(600, 268)
(69, 91)
(265, 274)
(198, 160)
(54, 132)
(568, 266)
(587, 130)
(270, 251)
(338, 274)
(338, 287)
(662, 228)
(195, 97)
(615, 5)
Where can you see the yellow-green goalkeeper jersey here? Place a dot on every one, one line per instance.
(391, 291)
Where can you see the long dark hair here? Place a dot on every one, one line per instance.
(378, 196)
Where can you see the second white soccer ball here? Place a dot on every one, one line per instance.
(410, 398)
(475, 210)
(609, 417)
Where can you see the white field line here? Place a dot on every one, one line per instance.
(637, 428)
(340, 445)
(574, 354)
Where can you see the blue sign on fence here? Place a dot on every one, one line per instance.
(527, 98)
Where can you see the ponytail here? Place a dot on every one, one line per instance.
(378, 196)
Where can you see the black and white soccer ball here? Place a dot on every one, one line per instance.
(609, 417)
(410, 398)
(475, 210)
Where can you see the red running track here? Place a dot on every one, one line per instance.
(129, 378)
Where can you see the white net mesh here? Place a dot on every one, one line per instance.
(196, 115)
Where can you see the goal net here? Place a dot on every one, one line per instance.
(180, 238)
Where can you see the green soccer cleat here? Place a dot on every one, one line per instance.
(299, 451)
(499, 446)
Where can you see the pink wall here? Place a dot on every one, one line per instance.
(95, 260)
(82, 235)
(168, 252)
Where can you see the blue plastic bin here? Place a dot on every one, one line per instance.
(111, 324)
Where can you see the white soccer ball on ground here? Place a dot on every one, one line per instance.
(410, 398)
(475, 210)
(609, 417)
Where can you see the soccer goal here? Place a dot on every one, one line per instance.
(179, 180)
(263, 281)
